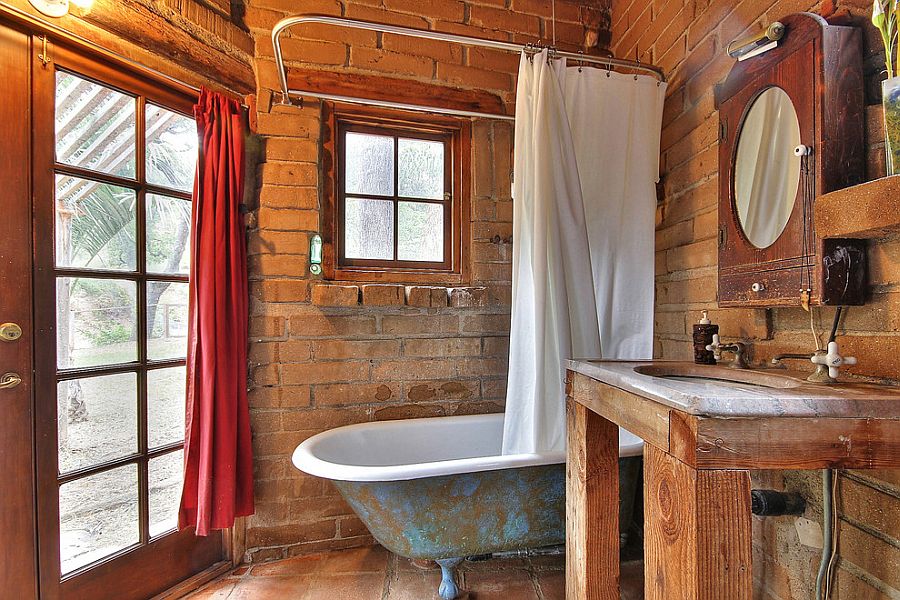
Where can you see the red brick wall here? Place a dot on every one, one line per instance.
(687, 38)
(327, 355)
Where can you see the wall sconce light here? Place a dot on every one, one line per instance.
(59, 8)
(745, 48)
(315, 254)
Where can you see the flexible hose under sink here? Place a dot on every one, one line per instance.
(828, 551)
(827, 509)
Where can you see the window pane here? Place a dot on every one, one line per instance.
(421, 169)
(369, 229)
(166, 474)
(369, 164)
(96, 322)
(168, 235)
(95, 126)
(97, 420)
(171, 148)
(95, 225)
(421, 231)
(167, 306)
(98, 516)
(165, 406)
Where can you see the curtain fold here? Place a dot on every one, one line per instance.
(218, 461)
(615, 120)
(554, 315)
(586, 163)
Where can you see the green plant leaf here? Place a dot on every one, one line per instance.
(878, 17)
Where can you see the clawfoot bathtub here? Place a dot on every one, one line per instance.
(439, 488)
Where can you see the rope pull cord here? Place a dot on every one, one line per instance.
(807, 190)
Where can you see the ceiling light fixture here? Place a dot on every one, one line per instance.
(52, 8)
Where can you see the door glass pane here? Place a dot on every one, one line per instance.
(97, 420)
(167, 306)
(165, 406)
(95, 126)
(171, 148)
(95, 225)
(421, 231)
(96, 322)
(421, 169)
(369, 164)
(98, 516)
(165, 477)
(369, 228)
(168, 235)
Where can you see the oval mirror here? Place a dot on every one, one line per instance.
(766, 170)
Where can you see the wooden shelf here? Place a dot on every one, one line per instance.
(870, 210)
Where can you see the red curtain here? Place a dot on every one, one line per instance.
(218, 460)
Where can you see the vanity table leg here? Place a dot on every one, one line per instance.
(592, 506)
(696, 531)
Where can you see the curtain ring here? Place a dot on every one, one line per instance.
(581, 61)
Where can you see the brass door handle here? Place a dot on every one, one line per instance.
(9, 381)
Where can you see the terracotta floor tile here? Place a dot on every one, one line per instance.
(366, 573)
(550, 562)
(357, 560)
(552, 584)
(272, 588)
(404, 564)
(217, 590)
(289, 567)
(348, 586)
(414, 585)
(499, 585)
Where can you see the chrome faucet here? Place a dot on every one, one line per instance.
(739, 349)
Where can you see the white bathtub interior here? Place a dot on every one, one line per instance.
(414, 448)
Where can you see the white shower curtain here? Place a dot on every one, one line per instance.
(615, 121)
(583, 245)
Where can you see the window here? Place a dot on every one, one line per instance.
(124, 169)
(398, 204)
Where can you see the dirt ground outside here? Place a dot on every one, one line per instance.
(99, 513)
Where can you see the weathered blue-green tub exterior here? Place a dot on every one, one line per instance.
(466, 514)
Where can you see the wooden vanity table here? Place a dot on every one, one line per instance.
(702, 437)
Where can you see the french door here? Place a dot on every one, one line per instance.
(113, 166)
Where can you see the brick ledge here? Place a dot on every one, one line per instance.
(382, 294)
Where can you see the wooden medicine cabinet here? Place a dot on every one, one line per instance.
(791, 129)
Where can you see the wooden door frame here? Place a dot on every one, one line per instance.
(18, 527)
(170, 551)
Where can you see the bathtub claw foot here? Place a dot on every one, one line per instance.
(448, 590)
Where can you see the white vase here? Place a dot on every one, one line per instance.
(890, 95)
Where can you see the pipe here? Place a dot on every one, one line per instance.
(835, 323)
(770, 503)
(283, 25)
(827, 527)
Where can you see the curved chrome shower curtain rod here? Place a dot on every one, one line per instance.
(288, 93)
